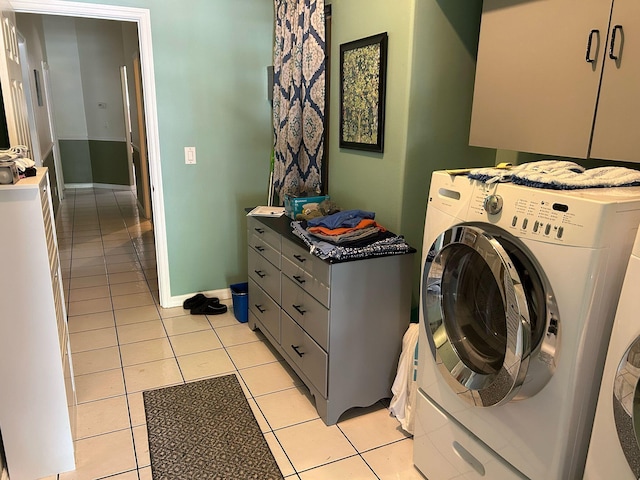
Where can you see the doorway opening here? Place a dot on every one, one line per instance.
(141, 17)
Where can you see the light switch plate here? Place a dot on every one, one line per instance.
(190, 155)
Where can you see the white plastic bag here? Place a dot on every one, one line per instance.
(404, 387)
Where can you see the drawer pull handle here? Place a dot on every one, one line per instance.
(260, 273)
(299, 258)
(259, 307)
(300, 311)
(259, 248)
(298, 279)
(295, 349)
(259, 230)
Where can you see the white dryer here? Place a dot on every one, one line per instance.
(614, 452)
(518, 295)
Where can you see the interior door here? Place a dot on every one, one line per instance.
(143, 185)
(13, 88)
(127, 122)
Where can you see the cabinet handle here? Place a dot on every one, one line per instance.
(295, 349)
(259, 307)
(300, 311)
(260, 274)
(259, 230)
(613, 41)
(298, 279)
(259, 248)
(591, 34)
(299, 258)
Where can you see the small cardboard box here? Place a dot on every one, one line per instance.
(293, 205)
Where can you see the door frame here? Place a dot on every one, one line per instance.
(142, 17)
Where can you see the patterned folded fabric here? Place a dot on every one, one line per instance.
(390, 245)
(601, 177)
(492, 175)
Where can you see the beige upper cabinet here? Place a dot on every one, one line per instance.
(545, 78)
(616, 134)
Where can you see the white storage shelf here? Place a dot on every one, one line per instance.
(37, 397)
(338, 325)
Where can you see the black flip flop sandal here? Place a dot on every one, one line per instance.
(196, 301)
(210, 307)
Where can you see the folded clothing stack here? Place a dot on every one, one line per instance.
(345, 227)
(349, 234)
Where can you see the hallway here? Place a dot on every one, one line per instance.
(123, 342)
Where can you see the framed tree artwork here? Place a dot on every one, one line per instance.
(363, 65)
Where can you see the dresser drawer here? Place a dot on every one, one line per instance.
(255, 227)
(310, 314)
(263, 248)
(265, 309)
(307, 354)
(264, 273)
(306, 281)
(301, 258)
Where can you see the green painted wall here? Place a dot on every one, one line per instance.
(366, 180)
(431, 68)
(109, 162)
(444, 50)
(210, 59)
(94, 161)
(76, 167)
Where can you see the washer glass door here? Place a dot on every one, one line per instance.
(485, 312)
(626, 405)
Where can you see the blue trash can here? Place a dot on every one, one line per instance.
(240, 297)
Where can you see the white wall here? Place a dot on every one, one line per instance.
(84, 57)
(101, 53)
(66, 82)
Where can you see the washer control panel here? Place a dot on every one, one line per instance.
(536, 213)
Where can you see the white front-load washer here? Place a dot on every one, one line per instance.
(518, 295)
(614, 451)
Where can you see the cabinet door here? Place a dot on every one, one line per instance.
(617, 127)
(534, 89)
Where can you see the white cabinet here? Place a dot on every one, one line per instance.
(546, 81)
(37, 398)
(338, 325)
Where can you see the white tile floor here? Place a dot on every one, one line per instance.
(123, 342)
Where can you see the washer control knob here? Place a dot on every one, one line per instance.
(493, 204)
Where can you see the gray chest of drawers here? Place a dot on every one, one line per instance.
(338, 325)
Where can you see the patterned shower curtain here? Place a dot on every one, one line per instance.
(298, 96)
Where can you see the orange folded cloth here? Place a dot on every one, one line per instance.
(364, 223)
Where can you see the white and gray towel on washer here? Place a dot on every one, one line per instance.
(559, 175)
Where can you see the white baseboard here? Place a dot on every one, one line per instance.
(100, 185)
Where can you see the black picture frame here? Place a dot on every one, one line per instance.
(363, 71)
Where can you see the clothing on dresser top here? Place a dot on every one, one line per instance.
(384, 243)
(346, 218)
